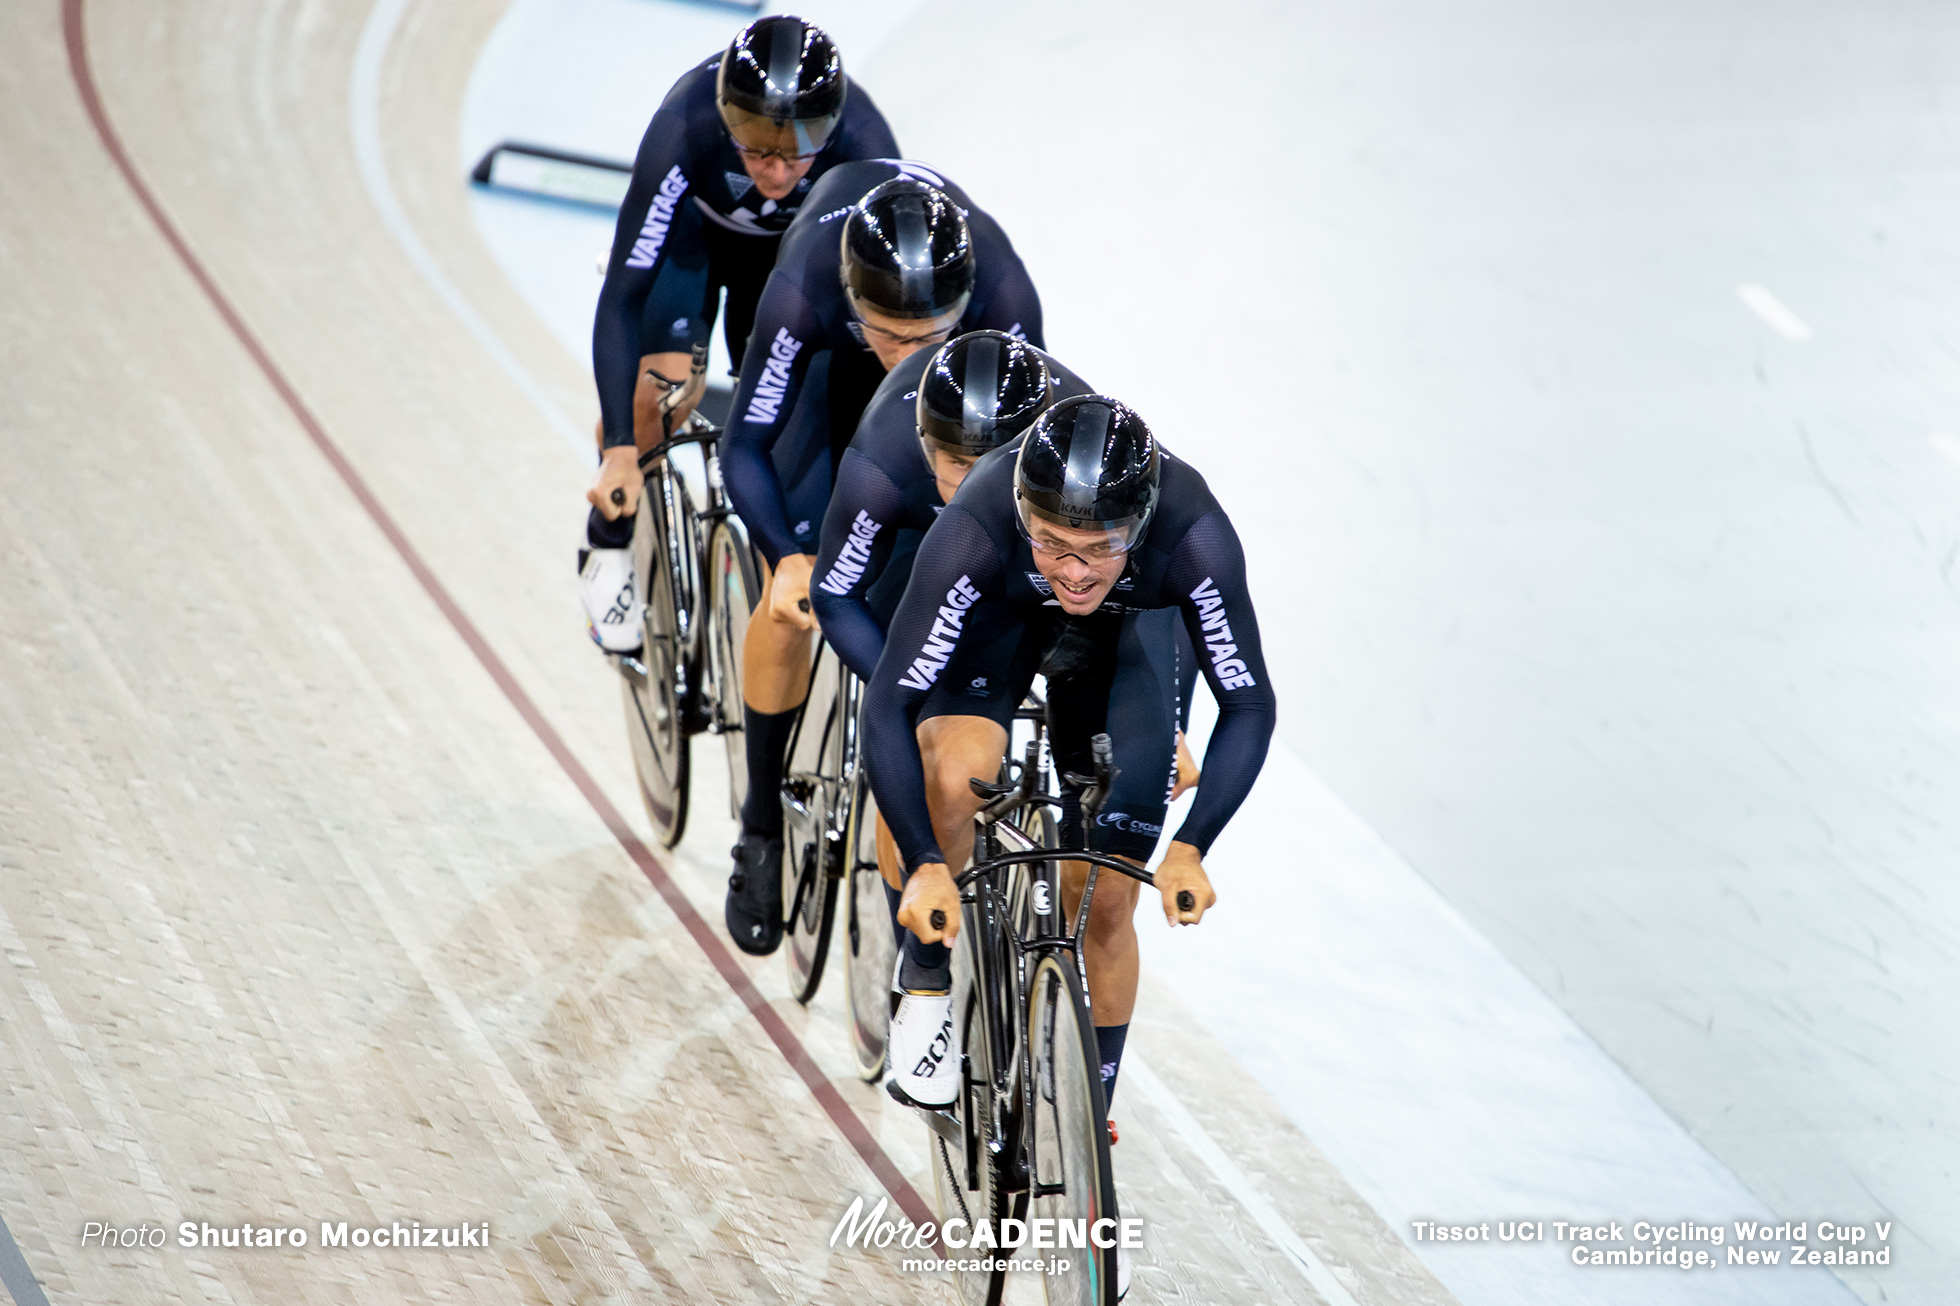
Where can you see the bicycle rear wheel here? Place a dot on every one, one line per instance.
(654, 725)
(966, 1178)
(1069, 1135)
(734, 585)
(869, 948)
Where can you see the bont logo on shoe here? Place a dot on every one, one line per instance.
(942, 1044)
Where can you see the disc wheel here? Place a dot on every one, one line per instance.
(734, 585)
(1070, 1178)
(869, 949)
(654, 724)
(966, 1177)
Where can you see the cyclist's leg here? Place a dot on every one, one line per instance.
(775, 653)
(741, 263)
(1121, 679)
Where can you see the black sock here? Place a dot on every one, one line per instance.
(930, 957)
(766, 738)
(603, 534)
(1109, 1049)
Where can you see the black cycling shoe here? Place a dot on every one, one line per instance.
(755, 895)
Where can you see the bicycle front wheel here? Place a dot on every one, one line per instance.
(870, 952)
(734, 585)
(1070, 1177)
(966, 1171)
(654, 724)
(809, 890)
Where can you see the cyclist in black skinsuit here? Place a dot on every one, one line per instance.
(935, 415)
(887, 258)
(1090, 519)
(727, 161)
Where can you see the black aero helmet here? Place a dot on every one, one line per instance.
(781, 87)
(979, 392)
(908, 252)
(1088, 463)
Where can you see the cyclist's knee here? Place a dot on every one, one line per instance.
(1112, 916)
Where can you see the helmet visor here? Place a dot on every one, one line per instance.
(794, 139)
(1053, 535)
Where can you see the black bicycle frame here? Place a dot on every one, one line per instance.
(1012, 1058)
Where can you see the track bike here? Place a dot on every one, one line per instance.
(698, 576)
(1028, 1134)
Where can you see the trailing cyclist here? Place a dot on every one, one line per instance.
(727, 161)
(1048, 545)
(886, 259)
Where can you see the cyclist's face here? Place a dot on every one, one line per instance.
(774, 175)
(1079, 565)
(949, 470)
(895, 339)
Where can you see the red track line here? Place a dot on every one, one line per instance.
(793, 1051)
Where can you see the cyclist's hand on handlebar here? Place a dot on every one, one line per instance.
(789, 593)
(615, 490)
(1184, 874)
(931, 894)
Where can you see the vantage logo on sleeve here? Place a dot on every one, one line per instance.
(1225, 663)
(767, 401)
(938, 648)
(660, 216)
(853, 558)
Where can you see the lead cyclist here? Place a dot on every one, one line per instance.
(1086, 520)
(935, 415)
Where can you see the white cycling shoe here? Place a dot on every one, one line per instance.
(613, 616)
(922, 1056)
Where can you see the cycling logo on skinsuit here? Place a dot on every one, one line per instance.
(853, 558)
(767, 401)
(938, 648)
(1124, 821)
(660, 216)
(1230, 670)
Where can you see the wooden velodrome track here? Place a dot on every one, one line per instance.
(315, 897)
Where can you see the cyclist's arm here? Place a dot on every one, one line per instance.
(787, 333)
(858, 531)
(958, 564)
(1207, 573)
(641, 247)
